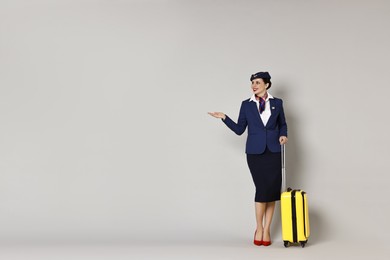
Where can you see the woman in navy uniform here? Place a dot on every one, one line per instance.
(267, 130)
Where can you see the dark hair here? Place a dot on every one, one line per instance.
(267, 81)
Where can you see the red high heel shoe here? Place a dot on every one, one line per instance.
(266, 243)
(257, 242)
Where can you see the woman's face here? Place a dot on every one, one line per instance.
(259, 87)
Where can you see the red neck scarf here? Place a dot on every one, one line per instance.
(262, 102)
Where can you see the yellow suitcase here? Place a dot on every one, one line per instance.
(294, 212)
(295, 217)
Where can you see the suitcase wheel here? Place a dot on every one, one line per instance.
(286, 244)
(303, 244)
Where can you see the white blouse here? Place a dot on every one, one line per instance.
(267, 111)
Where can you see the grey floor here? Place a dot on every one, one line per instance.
(193, 250)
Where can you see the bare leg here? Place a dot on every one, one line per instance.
(260, 208)
(269, 212)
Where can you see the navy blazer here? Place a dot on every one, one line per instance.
(260, 136)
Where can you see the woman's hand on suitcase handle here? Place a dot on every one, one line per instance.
(283, 139)
(218, 115)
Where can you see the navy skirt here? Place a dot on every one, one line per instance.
(266, 171)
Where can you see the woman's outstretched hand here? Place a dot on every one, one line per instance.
(218, 115)
(283, 139)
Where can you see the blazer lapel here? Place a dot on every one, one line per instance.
(256, 111)
(272, 108)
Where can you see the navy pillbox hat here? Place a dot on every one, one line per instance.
(260, 75)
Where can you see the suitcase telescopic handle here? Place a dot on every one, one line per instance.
(283, 151)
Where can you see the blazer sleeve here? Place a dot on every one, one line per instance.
(242, 123)
(282, 122)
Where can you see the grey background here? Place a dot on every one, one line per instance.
(105, 137)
